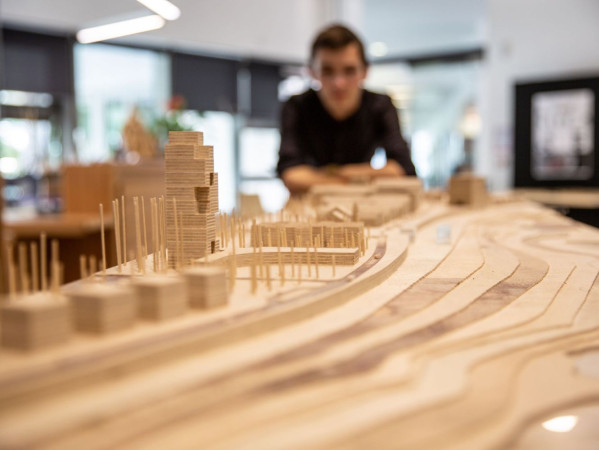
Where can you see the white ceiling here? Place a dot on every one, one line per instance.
(418, 27)
(272, 29)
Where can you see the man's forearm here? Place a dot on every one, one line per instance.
(364, 170)
(299, 179)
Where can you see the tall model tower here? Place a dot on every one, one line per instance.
(191, 189)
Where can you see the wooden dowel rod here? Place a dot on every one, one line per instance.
(162, 218)
(117, 231)
(143, 217)
(34, 266)
(103, 239)
(177, 254)
(23, 268)
(82, 267)
(93, 265)
(43, 262)
(138, 236)
(55, 268)
(124, 222)
(12, 275)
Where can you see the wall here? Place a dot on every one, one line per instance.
(529, 40)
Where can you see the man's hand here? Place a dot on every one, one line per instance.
(364, 171)
(298, 179)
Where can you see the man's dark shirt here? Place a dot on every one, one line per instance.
(310, 135)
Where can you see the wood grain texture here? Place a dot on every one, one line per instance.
(422, 344)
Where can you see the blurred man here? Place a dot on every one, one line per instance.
(329, 136)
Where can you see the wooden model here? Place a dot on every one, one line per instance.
(447, 327)
(207, 287)
(384, 200)
(136, 138)
(467, 189)
(191, 198)
(36, 321)
(161, 297)
(103, 308)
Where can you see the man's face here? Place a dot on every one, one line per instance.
(341, 73)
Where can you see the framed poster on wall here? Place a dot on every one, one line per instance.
(557, 133)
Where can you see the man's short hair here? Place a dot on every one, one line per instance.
(336, 37)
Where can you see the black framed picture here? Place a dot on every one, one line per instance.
(557, 133)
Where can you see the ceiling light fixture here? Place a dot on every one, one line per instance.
(377, 49)
(120, 29)
(163, 8)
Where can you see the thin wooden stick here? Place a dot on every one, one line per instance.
(299, 271)
(124, 222)
(292, 263)
(254, 282)
(23, 268)
(93, 266)
(117, 231)
(268, 280)
(138, 237)
(12, 275)
(34, 266)
(43, 262)
(261, 262)
(177, 255)
(316, 244)
(82, 267)
(103, 240)
(162, 217)
(153, 214)
(333, 263)
(55, 268)
(143, 216)
(55, 277)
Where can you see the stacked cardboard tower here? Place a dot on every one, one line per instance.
(207, 287)
(191, 190)
(35, 321)
(103, 307)
(161, 297)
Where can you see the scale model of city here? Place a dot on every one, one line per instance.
(363, 315)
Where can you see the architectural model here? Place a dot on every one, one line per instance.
(436, 325)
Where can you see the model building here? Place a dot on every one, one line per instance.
(342, 321)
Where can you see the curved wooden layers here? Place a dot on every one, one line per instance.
(462, 346)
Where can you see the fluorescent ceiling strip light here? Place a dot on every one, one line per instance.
(163, 8)
(120, 29)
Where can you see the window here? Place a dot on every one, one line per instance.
(109, 82)
(434, 100)
(259, 154)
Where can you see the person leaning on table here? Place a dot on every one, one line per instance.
(329, 135)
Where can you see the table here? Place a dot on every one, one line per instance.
(77, 234)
